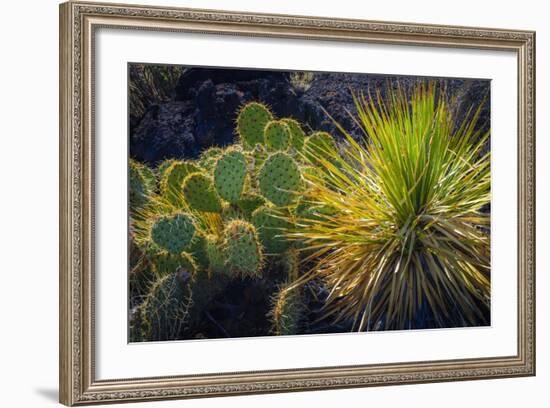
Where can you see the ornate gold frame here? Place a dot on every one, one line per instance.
(78, 21)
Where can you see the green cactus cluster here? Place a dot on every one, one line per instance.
(224, 216)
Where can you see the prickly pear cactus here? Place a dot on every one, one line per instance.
(297, 134)
(165, 263)
(197, 249)
(277, 135)
(287, 311)
(165, 311)
(250, 202)
(215, 254)
(209, 158)
(163, 166)
(200, 194)
(173, 233)
(251, 123)
(242, 249)
(229, 175)
(317, 145)
(173, 177)
(280, 179)
(211, 153)
(290, 263)
(150, 179)
(231, 212)
(271, 226)
(137, 187)
(142, 184)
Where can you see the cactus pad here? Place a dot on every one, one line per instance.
(197, 249)
(165, 263)
(271, 226)
(297, 134)
(209, 158)
(171, 182)
(231, 212)
(200, 194)
(211, 153)
(243, 250)
(287, 311)
(165, 311)
(137, 187)
(173, 233)
(149, 178)
(290, 263)
(229, 175)
(249, 202)
(277, 135)
(279, 179)
(317, 145)
(251, 123)
(163, 166)
(215, 255)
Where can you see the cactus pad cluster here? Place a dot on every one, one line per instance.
(201, 224)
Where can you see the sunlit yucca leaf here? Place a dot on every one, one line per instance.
(406, 231)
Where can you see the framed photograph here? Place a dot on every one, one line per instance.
(256, 203)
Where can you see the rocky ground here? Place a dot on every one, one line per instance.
(202, 107)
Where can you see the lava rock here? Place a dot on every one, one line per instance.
(166, 131)
(207, 100)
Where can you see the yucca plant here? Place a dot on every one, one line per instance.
(396, 225)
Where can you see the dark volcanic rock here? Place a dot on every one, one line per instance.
(207, 101)
(165, 131)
